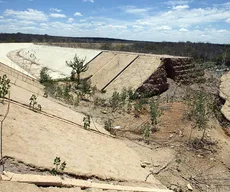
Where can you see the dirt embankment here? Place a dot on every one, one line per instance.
(181, 70)
(225, 94)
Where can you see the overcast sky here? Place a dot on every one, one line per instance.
(150, 20)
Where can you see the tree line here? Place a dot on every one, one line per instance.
(201, 52)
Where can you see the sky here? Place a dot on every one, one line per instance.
(148, 20)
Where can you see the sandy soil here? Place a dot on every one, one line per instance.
(5, 48)
(225, 94)
(204, 170)
(55, 58)
(20, 187)
(111, 69)
(36, 139)
(135, 74)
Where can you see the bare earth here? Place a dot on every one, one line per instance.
(5, 48)
(36, 139)
(225, 94)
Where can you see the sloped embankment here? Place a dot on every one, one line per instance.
(225, 94)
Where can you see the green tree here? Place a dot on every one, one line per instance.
(155, 112)
(78, 66)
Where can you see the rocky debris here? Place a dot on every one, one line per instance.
(189, 187)
(155, 84)
(183, 70)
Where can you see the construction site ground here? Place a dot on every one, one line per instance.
(32, 139)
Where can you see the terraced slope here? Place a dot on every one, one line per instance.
(146, 73)
(183, 70)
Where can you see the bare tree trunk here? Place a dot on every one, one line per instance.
(190, 135)
(204, 131)
(2, 121)
(78, 78)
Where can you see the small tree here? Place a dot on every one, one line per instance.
(146, 127)
(78, 66)
(155, 112)
(199, 109)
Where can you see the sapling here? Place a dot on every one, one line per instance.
(4, 86)
(86, 121)
(155, 112)
(34, 104)
(59, 167)
(115, 101)
(108, 125)
(33, 101)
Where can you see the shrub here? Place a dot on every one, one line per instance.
(86, 121)
(137, 109)
(68, 98)
(114, 101)
(99, 102)
(50, 88)
(139, 106)
(124, 95)
(108, 125)
(146, 130)
(129, 107)
(58, 166)
(199, 106)
(59, 92)
(44, 76)
(4, 86)
(131, 94)
(85, 87)
(33, 103)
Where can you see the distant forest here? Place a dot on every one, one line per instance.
(201, 52)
